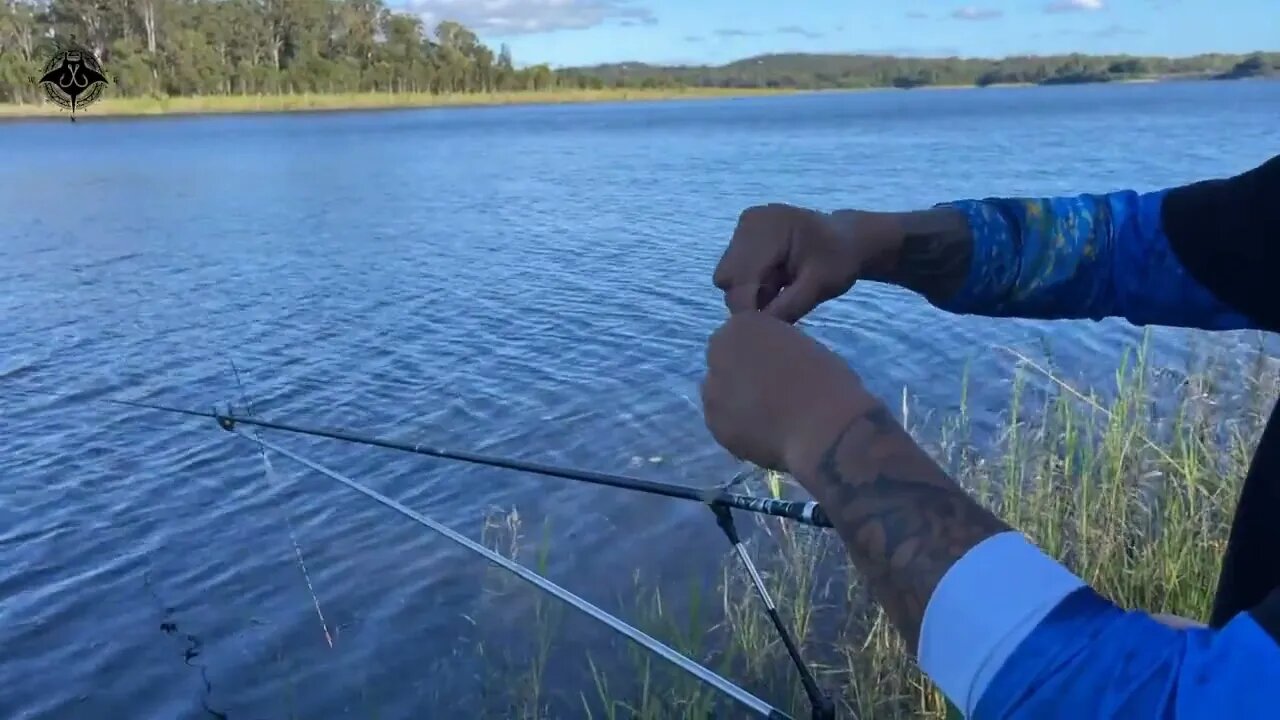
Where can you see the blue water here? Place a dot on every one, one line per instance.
(528, 281)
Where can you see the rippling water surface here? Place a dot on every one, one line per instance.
(528, 281)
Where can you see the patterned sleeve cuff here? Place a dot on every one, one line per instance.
(994, 268)
(1043, 258)
(1087, 256)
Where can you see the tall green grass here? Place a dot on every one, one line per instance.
(304, 102)
(1132, 486)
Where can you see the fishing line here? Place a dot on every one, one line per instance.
(191, 652)
(721, 500)
(269, 473)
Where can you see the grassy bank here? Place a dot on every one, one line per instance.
(330, 102)
(1132, 486)
(218, 104)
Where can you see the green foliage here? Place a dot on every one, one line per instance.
(1132, 486)
(1256, 65)
(168, 48)
(818, 72)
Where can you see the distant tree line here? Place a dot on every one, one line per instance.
(816, 72)
(247, 47)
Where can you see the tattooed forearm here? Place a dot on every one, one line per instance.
(903, 520)
(936, 252)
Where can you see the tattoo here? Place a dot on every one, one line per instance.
(937, 250)
(902, 519)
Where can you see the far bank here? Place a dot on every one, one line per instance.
(337, 102)
(117, 107)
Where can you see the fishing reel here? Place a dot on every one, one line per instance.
(226, 420)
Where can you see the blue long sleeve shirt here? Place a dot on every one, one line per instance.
(1199, 256)
(1090, 256)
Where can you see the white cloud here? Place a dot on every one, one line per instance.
(1059, 6)
(517, 17)
(974, 13)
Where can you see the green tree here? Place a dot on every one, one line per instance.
(205, 47)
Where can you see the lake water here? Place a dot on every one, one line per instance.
(525, 281)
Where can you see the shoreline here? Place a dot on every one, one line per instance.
(216, 105)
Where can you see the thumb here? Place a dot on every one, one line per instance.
(796, 299)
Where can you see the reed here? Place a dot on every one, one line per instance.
(316, 102)
(1131, 486)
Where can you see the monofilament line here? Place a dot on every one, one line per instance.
(297, 549)
(270, 474)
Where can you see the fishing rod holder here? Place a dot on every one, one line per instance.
(821, 705)
(721, 501)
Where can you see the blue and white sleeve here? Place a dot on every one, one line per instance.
(1010, 634)
(1088, 256)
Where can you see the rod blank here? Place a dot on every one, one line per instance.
(720, 500)
(805, 512)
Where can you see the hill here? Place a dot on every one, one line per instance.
(822, 71)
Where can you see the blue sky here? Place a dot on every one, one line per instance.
(570, 32)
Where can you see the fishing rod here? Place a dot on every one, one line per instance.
(721, 501)
(805, 512)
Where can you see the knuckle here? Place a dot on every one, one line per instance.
(723, 275)
(757, 216)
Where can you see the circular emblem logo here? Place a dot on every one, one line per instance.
(73, 78)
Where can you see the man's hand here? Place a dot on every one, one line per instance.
(772, 393)
(781, 400)
(787, 260)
